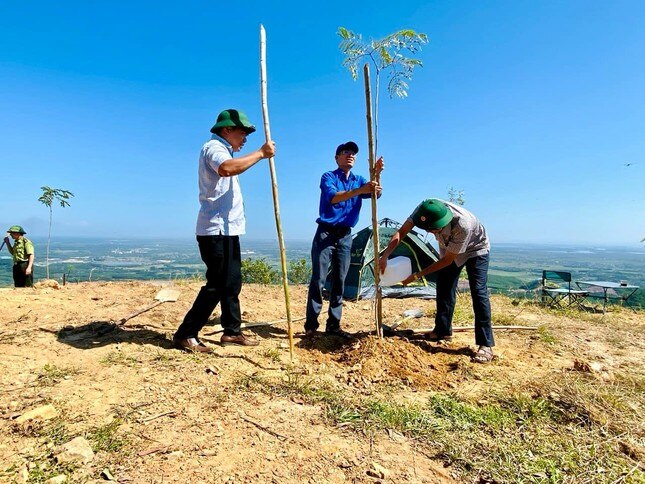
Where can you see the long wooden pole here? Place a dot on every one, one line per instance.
(378, 309)
(274, 185)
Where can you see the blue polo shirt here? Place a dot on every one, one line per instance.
(342, 214)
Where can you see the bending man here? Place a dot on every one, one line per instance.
(462, 241)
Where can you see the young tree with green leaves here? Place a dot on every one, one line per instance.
(386, 55)
(48, 197)
(456, 196)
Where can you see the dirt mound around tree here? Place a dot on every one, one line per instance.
(395, 361)
(47, 284)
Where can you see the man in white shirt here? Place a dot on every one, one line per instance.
(219, 224)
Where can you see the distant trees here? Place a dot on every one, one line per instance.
(48, 197)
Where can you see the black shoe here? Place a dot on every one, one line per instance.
(339, 333)
(310, 333)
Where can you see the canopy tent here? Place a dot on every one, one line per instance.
(360, 278)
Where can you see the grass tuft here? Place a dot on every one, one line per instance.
(117, 357)
(273, 354)
(106, 438)
(545, 336)
(52, 374)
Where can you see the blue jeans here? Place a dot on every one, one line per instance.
(331, 247)
(447, 279)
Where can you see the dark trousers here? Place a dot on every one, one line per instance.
(20, 278)
(447, 279)
(331, 247)
(221, 254)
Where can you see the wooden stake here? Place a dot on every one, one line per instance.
(217, 328)
(274, 185)
(463, 329)
(378, 308)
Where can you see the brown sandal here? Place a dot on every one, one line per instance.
(484, 354)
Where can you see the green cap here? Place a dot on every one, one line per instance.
(17, 229)
(233, 118)
(431, 214)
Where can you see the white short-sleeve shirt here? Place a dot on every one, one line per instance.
(221, 206)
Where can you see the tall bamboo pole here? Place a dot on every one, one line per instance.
(274, 185)
(378, 309)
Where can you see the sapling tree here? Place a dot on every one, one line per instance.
(387, 55)
(48, 197)
(456, 196)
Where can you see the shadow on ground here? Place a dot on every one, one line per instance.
(96, 334)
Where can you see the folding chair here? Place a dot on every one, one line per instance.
(554, 295)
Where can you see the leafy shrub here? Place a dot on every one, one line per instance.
(259, 271)
(299, 272)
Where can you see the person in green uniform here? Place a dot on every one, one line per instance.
(22, 252)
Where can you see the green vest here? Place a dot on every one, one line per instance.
(22, 249)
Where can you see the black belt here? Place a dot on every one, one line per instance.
(337, 230)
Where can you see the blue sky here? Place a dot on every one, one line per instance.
(536, 110)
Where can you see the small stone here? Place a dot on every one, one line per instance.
(75, 451)
(107, 475)
(378, 471)
(595, 366)
(175, 455)
(46, 412)
(396, 436)
(59, 479)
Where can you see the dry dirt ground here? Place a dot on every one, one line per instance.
(180, 417)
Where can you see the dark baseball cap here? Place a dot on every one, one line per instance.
(350, 146)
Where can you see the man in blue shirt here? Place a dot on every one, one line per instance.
(341, 198)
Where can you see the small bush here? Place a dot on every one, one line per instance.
(299, 271)
(259, 271)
